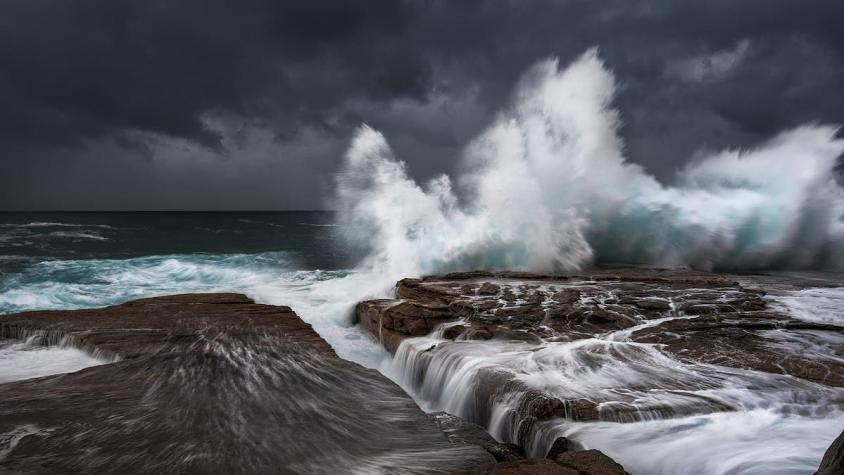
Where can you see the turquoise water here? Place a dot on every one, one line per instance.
(82, 260)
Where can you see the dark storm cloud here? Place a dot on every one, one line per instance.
(73, 70)
(217, 104)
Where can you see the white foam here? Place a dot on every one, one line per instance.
(547, 186)
(48, 224)
(821, 305)
(21, 360)
(762, 441)
(658, 415)
(325, 299)
(78, 235)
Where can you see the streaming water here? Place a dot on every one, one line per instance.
(547, 187)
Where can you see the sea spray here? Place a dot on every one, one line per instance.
(547, 187)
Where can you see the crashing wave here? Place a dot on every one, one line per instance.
(547, 187)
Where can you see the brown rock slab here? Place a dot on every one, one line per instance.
(462, 431)
(561, 445)
(729, 330)
(580, 462)
(523, 467)
(694, 317)
(833, 460)
(590, 462)
(211, 384)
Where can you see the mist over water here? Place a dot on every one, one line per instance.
(547, 187)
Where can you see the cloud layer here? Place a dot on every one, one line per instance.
(249, 105)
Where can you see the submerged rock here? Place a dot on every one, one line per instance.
(522, 467)
(211, 383)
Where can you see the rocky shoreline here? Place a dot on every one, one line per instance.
(726, 319)
(646, 344)
(210, 383)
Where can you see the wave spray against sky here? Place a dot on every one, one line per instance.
(547, 187)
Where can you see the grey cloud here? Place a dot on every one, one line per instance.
(208, 104)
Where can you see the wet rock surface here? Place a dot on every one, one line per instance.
(533, 358)
(723, 321)
(579, 462)
(833, 459)
(210, 383)
(591, 462)
(460, 431)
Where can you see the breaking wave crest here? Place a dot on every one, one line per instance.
(547, 187)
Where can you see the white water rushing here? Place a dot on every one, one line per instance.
(782, 425)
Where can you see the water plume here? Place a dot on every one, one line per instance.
(547, 187)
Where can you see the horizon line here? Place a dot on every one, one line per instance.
(170, 211)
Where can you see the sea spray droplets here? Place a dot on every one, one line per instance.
(547, 187)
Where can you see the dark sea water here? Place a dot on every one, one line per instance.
(308, 237)
(79, 260)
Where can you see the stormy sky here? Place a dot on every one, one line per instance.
(213, 104)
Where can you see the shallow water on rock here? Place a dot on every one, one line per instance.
(655, 414)
(24, 360)
(760, 441)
